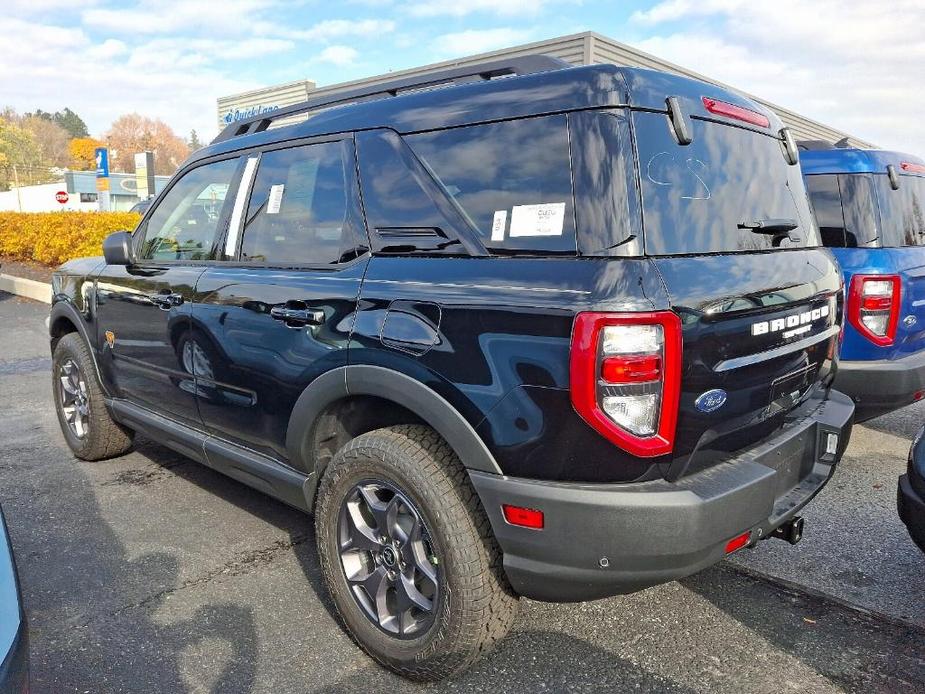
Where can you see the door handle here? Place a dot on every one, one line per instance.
(297, 317)
(165, 302)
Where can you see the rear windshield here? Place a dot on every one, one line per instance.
(696, 197)
(902, 212)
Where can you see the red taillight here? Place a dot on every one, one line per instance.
(913, 168)
(631, 369)
(524, 517)
(738, 542)
(625, 378)
(873, 306)
(721, 108)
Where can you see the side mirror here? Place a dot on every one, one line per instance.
(117, 248)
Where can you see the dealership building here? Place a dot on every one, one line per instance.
(586, 48)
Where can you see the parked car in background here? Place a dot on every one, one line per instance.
(870, 208)
(562, 335)
(911, 493)
(141, 206)
(14, 656)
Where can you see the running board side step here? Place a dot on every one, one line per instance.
(253, 469)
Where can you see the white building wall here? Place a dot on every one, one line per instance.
(41, 198)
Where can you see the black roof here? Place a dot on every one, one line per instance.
(551, 91)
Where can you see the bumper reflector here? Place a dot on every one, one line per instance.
(523, 517)
(738, 542)
(831, 444)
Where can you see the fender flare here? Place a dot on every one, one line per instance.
(63, 308)
(385, 383)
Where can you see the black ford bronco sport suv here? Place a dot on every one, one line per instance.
(521, 330)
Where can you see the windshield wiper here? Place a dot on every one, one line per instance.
(770, 226)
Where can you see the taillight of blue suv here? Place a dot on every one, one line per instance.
(873, 306)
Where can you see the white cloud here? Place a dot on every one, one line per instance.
(174, 16)
(461, 8)
(338, 28)
(173, 79)
(851, 64)
(478, 41)
(337, 55)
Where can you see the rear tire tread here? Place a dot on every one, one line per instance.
(490, 605)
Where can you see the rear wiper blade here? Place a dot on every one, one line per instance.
(770, 226)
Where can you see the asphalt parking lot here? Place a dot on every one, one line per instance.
(150, 573)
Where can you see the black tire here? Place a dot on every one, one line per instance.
(476, 606)
(102, 437)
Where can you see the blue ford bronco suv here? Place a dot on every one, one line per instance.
(870, 209)
(519, 330)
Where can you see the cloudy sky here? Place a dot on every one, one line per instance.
(852, 64)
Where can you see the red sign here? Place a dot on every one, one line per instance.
(61, 196)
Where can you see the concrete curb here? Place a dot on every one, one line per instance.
(38, 291)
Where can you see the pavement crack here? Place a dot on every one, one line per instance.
(240, 564)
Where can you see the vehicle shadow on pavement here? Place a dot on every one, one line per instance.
(527, 661)
(86, 600)
(856, 651)
(299, 525)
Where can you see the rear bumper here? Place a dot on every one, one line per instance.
(602, 540)
(911, 509)
(878, 387)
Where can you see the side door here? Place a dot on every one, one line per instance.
(278, 312)
(143, 309)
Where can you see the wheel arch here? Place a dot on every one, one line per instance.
(408, 400)
(63, 319)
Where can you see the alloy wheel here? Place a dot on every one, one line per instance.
(388, 559)
(75, 401)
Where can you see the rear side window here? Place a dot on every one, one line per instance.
(859, 202)
(512, 181)
(298, 207)
(696, 197)
(825, 197)
(902, 212)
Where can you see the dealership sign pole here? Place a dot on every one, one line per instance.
(144, 175)
(102, 178)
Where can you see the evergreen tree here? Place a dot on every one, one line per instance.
(194, 142)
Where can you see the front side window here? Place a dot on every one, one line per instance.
(185, 224)
(512, 181)
(298, 208)
(729, 190)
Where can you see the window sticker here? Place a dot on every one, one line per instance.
(276, 198)
(498, 224)
(546, 219)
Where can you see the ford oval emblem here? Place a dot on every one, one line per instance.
(711, 401)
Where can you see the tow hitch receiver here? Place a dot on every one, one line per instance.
(791, 531)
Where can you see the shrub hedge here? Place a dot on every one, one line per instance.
(54, 237)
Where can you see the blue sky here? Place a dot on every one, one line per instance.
(855, 65)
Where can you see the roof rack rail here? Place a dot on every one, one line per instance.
(525, 65)
(816, 145)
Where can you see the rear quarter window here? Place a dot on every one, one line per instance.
(696, 196)
(511, 180)
(902, 212)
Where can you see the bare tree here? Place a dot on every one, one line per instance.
(133, 133)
